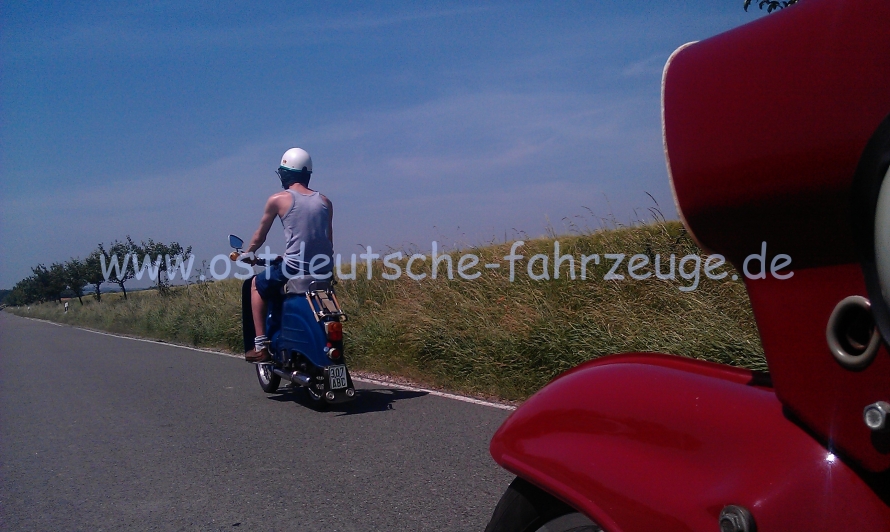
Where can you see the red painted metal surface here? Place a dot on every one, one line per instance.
(765, 124)
(654, 442)
(764, 127)
(792, 316)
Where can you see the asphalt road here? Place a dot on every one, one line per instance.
(105, 433)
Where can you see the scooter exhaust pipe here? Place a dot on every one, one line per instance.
(300, 379)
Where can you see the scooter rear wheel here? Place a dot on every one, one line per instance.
(269, 381)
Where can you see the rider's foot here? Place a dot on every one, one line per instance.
(260, 352)
(256, 357)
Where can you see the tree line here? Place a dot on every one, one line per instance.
(105, 264)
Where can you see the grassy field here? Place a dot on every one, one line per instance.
(489, 335)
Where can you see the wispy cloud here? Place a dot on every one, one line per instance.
(650, 66)
(464, 168)
(125, 35)
(462, 139)
(362, 21)
(457, 124)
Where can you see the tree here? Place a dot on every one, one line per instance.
(50, 282)
(57, 281)
(32, 289)
(117, 257)
(24, 292)
(15, 297)
(771, 5)
(93, 272)
(75, 277)
(164, 255)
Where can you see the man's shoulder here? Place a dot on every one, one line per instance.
(278, 196)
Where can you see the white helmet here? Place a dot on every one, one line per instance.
(297, 159)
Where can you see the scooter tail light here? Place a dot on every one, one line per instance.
(334, 331)
(334, 353)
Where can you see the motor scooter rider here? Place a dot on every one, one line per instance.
(307, 220)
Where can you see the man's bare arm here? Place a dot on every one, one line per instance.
(269, 214)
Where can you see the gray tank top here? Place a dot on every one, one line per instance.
(306, 227)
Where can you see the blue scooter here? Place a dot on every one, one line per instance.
(305, 330)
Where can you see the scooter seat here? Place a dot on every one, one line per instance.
(301, 285)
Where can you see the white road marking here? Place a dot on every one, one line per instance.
(38, 319)
(241, 357)
(435, 392)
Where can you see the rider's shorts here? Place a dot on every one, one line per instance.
(271, 286)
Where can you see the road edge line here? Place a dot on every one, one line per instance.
(436, 392)
(367, 380)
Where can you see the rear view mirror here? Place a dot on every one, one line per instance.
(235, 242)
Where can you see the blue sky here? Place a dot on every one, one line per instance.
(459, 122)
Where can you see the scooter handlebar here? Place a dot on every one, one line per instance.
(251, 259)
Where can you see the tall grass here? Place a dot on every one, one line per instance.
(206, 315)
(489, 335)
(508, 339)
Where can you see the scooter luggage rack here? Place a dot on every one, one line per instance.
(324, 303)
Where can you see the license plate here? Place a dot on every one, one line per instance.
(337, 376)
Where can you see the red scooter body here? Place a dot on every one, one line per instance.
(764, 128)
